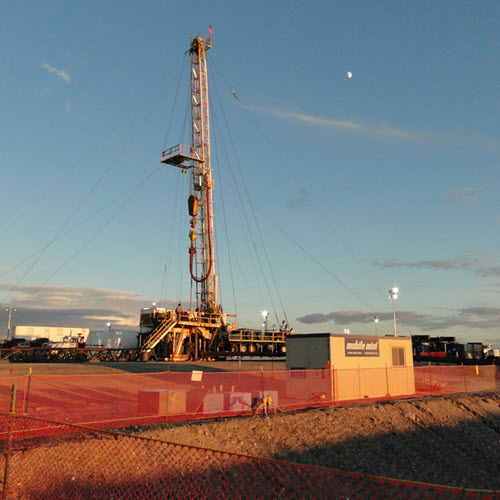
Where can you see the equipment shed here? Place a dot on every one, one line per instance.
(360, 366)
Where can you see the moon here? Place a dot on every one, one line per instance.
(349, 74)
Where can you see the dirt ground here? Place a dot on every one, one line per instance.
(448, 440)
(20, 369)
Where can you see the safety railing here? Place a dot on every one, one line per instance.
(257, 336)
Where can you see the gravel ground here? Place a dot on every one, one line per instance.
(451, 440)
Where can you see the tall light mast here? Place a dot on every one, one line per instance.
(197, 158)
(10, 310)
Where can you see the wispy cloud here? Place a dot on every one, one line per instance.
(61, 73)
(344, 125)
(471, 264)
(299, 199)
(379, 130)
(467, 194)
(42, 92)
(488, 312)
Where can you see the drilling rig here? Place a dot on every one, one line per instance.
(179, 334)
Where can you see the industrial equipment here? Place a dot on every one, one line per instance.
(204, 330)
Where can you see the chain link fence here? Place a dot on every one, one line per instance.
(44, 459)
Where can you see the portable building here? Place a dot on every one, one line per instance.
(347, 367)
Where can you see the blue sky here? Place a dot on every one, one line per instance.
(356, 184)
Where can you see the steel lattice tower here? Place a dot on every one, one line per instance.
(197, 157)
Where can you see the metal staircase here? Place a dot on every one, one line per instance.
(159, 333)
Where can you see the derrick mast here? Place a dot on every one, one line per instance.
(197, 158)
(190, 334)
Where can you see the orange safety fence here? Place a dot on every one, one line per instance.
(118, 400)
(52, 460)
(440, 379)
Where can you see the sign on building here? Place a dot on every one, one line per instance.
(361, 347)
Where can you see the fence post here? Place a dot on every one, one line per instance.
(9, 439)
(336, 379)
(27, 393)
(359, 382)
(264, 399)
(332, 386)
(168, 394)
(387, 380)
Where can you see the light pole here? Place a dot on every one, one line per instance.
(10, 310)
(376, 320)
(393, 293)
(108, 343)
(265, 317)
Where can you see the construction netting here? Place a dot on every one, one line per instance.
(50, 460)
(111, 401)
(438, 379)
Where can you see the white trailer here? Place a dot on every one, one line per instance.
(53, 333)
(114, 339)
